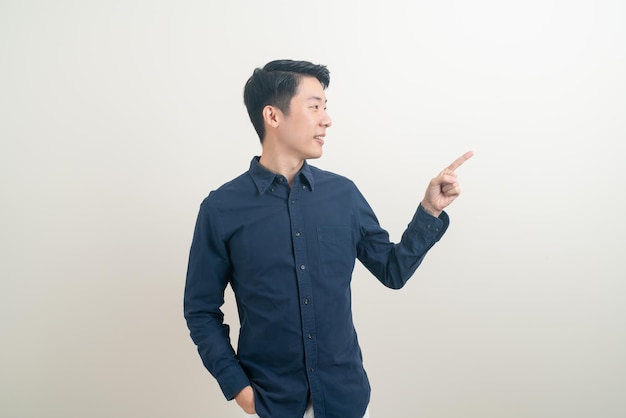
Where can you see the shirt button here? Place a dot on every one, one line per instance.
(306, 301)
(312, 369)
(293, 202)
(309, 336)
(303, 187)
(302, 267)
(297, 234)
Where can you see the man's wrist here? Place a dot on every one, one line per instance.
(431, 210)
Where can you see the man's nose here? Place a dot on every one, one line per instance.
(327, 121)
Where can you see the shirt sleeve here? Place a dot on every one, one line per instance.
(208, 274)
(393, 264)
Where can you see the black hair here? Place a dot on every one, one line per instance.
(275, 84)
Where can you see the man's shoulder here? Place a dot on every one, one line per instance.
(330, 176)
(241, 181)
(237, 185)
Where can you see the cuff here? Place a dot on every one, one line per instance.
(232, 380)
(429, 225)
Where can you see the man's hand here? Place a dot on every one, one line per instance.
(443, 189)
(245, 400)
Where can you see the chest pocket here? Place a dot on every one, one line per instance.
(337, 251)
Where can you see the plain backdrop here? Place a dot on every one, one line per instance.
(118, 117)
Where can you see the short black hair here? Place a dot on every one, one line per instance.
(275, 84)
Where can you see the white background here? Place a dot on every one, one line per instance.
(118, 117)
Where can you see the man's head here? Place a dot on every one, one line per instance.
(275, 85)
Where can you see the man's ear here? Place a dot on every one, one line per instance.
(271, 116)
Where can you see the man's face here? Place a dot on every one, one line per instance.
(302, 131)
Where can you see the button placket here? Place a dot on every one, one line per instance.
(307, 310)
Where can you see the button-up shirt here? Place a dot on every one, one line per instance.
(288, 252)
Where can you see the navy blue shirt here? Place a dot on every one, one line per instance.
(288, 253)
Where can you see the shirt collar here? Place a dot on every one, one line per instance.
(263, 178)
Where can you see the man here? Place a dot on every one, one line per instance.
(285, 236)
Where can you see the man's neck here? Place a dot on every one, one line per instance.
(287, 167)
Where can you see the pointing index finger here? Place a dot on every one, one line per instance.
(457, 163)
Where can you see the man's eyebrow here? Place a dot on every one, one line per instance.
(319, 99)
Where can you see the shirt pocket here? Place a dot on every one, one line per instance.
(337, 250)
